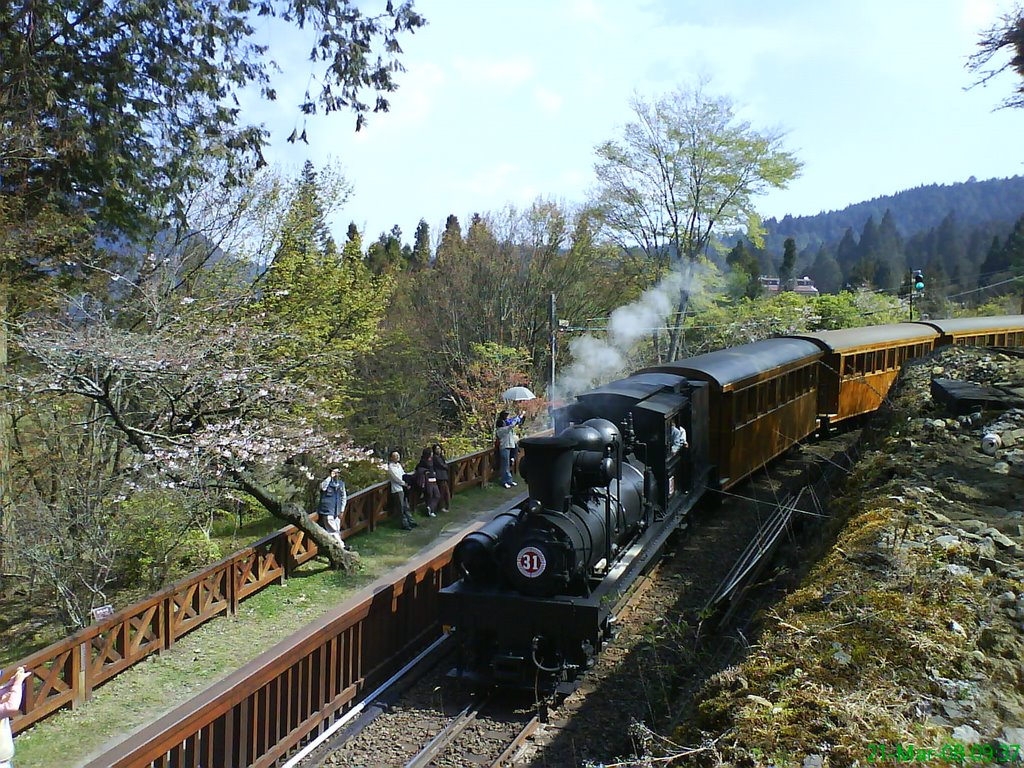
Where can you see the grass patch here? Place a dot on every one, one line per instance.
(150, 689)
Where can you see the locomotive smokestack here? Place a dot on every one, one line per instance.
(547, 468)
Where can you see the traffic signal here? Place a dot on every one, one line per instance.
(918, 280)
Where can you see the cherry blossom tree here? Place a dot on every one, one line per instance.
(196, 403)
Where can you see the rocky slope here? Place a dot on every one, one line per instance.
(906, 640)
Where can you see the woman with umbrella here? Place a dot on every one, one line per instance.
(507, 440)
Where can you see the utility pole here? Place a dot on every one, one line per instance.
(553, 325)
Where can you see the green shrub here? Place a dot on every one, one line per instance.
(162, 534)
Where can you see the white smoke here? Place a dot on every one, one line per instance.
(599, 360)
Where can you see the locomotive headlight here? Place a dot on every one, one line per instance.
(532, 507)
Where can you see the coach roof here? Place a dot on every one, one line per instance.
(731, 366)
(962, 324)
(871, 336)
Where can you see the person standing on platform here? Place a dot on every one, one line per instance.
(333, 499)
(441, 471)
(398, 485)
(426, 481)
(505, 435)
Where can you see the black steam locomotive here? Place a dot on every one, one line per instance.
(534, 606)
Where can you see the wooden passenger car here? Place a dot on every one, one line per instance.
(1000, 331)
(860, 365)
(761, 398)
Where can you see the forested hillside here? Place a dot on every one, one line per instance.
(914, 210)
(967, 239)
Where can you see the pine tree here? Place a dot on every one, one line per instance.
(352, 234)
(746, 269)
(324, 307)
(846, 251)
(352, 251)
(788, 262)
(868, 245)
(825, 271)
(385, 255)
(451, 240)
(421, 248)
(891, 261)
(1013, 248)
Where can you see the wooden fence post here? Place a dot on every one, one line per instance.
(79, 666)
(283, 547)
(164, 612)
(232, 588)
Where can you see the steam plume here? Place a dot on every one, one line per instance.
(599, 360)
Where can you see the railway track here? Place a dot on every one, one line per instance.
(430, 721)
(427, 719)
(487, 732)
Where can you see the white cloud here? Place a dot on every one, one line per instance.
(500, 73)
(549, 101)
(487, 182)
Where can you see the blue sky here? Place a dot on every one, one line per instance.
(504, 102)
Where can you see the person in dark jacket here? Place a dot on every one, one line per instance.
(426, 482)
(333, 499)
(441, 472)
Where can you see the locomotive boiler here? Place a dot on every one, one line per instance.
(584, 504)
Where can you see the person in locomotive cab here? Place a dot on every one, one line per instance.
(678, 438)
(507, 440)
(333, 499)
(397, 484)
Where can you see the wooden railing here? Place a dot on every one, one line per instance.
(267, 709)
(65, 673)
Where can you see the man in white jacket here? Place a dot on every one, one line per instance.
(397, 484)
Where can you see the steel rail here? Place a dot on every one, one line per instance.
(447, 735)
(507, 758)
(349, 716)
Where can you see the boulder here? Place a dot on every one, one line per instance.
(965, 734)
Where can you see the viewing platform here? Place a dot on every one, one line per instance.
(179, 652)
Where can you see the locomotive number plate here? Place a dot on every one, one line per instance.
(531, 562)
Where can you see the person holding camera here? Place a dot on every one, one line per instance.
(506, 439)
(333, 499)
(11, 694)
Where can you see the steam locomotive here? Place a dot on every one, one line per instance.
(533, 608)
